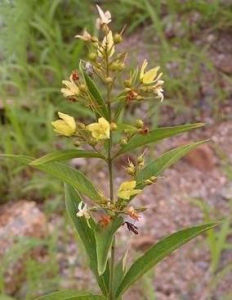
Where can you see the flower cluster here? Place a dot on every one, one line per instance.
(105, 63)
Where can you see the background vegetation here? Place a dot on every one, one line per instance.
(38, 50)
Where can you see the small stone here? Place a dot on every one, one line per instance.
(224, 63)
(201, 158)
(17, 221)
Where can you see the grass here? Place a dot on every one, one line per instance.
(218, 242)
(38, 51)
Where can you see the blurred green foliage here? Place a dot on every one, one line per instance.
(38, 50)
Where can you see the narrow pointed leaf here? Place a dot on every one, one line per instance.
(23, 159)
(96, 96)
(70, 295)
(65, 173)
(118, 275)
(71, 176)
(86, 234)
(156, 135)
(104, 238)
(158, 252)
(163, 162)
(64, 155)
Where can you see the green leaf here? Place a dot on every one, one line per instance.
(64, 155)
(86, 234)
(23, 159)
(65, 173)
(104, 238)
(158, 252)
(118, 274)
(163, 162)
(96, 96)
(71, 176)
(156, 135)
(70, 295)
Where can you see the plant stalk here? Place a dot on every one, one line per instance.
(111, 183)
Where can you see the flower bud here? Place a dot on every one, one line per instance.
(93, 142)
(92, 56)
(148, 182)
(94, 39)
(113, 126)
(121, 66)
(153, 178)
(127, 83)
(123, 141)
(130, 171)
(83, 87)
(81, 125)
(117, 38)
(140, 159)
(77, 143)
(139, 123)
(139, 97)
(144, 130)
(109, 80)
(114, 66)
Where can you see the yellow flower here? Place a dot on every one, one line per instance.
(66, 126)
(85, 36)
(100, 130)
(150, 76)
(127, 189)
(71, 88)
(107, 45)
(105, 17)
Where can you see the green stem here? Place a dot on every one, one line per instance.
(111, 186)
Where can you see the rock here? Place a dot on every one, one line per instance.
(224, 63)
(202, 158)
(17, 221)
(143, 243)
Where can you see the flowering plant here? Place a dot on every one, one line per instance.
(107, 138)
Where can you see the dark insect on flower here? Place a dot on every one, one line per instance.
(131, 227)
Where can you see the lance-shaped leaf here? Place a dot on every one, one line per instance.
(158, 252)
(163, 162)
(96, 97)
(65, 173)
(156, 135)
(119, 272)
(104, 238)
(65, 155)
(23, 159)
(86, 234)
(71, 295)
(71, 176)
